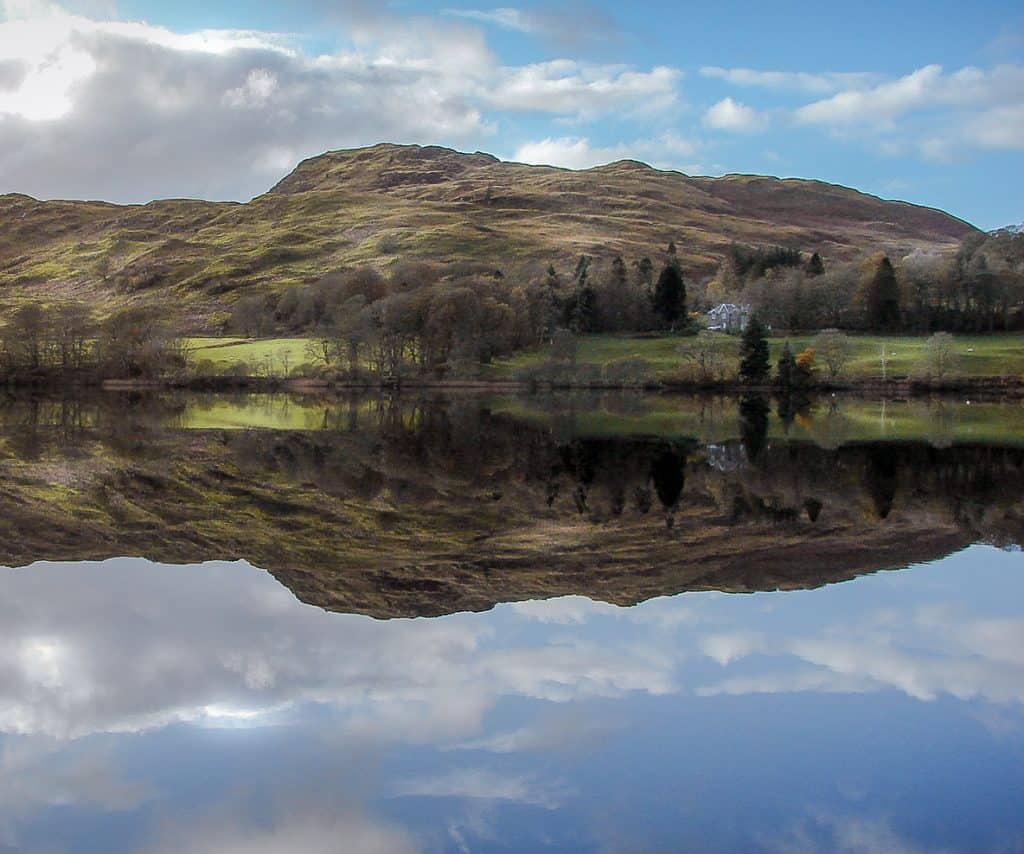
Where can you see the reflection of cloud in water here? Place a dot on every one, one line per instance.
(923, 657)
(307, 832)
(823, 831)
(484, 785)
(127, 646)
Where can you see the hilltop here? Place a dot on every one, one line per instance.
(387, 202)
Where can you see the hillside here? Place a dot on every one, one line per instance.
(378, 204)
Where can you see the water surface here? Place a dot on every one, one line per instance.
(272, 624)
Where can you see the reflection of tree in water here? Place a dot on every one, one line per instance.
(669, 477)
(455, 459)
(881, 478)
(754, 411)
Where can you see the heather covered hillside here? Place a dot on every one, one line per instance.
(388, 203)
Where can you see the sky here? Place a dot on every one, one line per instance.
(131, 100)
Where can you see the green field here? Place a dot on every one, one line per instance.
(223, 353)
(976, 355)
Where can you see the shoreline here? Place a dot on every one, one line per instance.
(1001, 387)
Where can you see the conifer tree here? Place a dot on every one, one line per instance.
(754, 359)
(815, 267)
(669, 300)
(883, 299)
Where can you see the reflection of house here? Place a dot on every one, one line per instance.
(729, 317)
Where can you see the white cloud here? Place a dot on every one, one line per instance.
(821, 83)
(1002, 127)
(731, 115)
(924, 88)
(129, 111)
(669, 151)
(586, 90)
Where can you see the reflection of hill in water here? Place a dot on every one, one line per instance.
(415, 509)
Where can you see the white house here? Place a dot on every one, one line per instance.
(729, 317)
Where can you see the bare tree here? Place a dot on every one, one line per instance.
(835, 349)
(940, 354)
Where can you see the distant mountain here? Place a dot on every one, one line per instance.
(374, 205)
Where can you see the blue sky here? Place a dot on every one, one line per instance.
(138, 99)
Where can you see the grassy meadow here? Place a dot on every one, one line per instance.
(976, 355)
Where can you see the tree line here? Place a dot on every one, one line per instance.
(63, 340)
(979, 288)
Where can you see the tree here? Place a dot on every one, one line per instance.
(754, 358)
(835, 350)
(670, 296)
(815, 267)
(584, 301)
(786, 367)
(882, 304)
(940, 353)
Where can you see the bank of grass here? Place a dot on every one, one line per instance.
(976, 355)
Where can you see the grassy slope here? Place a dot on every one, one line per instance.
(379, 204)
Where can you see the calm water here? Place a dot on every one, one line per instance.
(611, 623)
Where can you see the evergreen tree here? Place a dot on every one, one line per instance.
(815, 267)
(669, 301)
(672, 256)
(754, 359)
(786, 366)
(883, 299)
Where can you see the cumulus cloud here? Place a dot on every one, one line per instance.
(585, 90)
(63, 673)
(730, 115)
(129, 111)
(968, 108)
(669, 151)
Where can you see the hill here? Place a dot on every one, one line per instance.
(375, 205)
